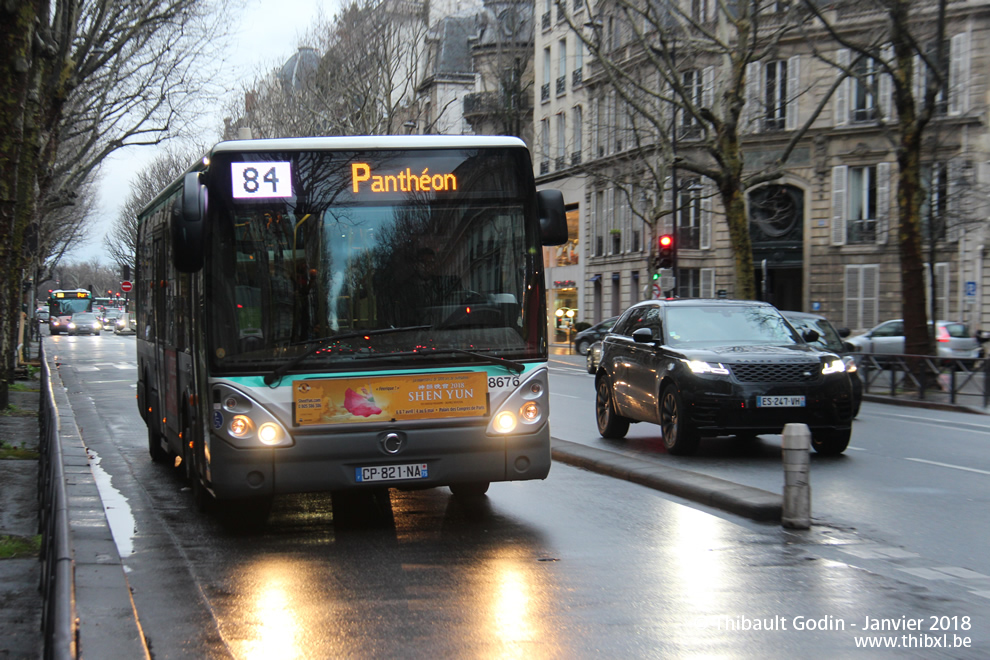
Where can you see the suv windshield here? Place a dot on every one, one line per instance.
(718, 325)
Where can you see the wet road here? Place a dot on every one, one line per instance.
(576, 566)
(917, 478)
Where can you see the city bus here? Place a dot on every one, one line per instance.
(339, 314)
(63, 303)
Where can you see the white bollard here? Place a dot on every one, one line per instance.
(796, 513)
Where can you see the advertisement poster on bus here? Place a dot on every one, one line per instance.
(387, 398)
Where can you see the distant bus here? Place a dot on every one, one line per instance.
(62, 304)
(338, 314)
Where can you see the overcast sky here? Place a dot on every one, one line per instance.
(265, 34)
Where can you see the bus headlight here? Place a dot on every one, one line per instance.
(530, 412)
(270, 434)
(240, 426)
(504, 422)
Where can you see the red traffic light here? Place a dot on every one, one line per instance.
(665, 251)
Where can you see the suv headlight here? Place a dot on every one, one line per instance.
(699, 367)
(833, 366)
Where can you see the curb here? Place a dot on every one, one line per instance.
(754, 503)
(107, 624)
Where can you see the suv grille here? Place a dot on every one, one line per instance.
(775, 372)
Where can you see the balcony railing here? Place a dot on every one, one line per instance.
(545, 21)
(576, 158)
(545, 92)
(480, 103)
(577, 78)
(561, 85)
(544, 167)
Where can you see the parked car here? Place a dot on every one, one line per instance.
(953, 339)
(719, 367)
(831, 338)
(588, 336)
(41, 314)
(84, 323)
(125, 324)
(594, 356)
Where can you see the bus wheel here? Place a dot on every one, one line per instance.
(158, 455)
(471, 489)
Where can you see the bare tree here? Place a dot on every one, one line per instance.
(82, 79)
(361, 81)
(121, 239)
(906, 42)
(673, 95)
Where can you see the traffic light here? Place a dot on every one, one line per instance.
(666, 251)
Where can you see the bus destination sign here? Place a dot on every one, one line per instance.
(364, 179)
(261, 180)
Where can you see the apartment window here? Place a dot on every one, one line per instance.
(617, 223)
(562, 66)
(599, 221)
(545, 18)
(864, 106)
(578, 76)
(776, 95)
(544, 146)
(862, 295)
(578, 131)
(861, 224)
(693, 87)
(695, 283)
(934, 206)
(599, 142)
(561, 141)
(545, 87)
(689, 209)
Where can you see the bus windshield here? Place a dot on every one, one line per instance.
(372, 257)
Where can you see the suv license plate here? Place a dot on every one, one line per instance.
(780, 402)
(391, 472)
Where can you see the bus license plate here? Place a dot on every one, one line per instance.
(392, 472)
(780, 402)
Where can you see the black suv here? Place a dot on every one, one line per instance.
(584, 339)
(719, 367)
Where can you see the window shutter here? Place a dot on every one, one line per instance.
(751, 110)
(839, 208)
(852, 287)
(793, 92)
(954, 206)
(706, 217)
(708, 87)
(885, 100)
(870, 295)
(883, 202)
(840, 102)
(959, 74)
(707, 283)
(663, 226)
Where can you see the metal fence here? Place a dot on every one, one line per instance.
(58, 621)
(955, 381)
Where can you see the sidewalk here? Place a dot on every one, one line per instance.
(20, 597)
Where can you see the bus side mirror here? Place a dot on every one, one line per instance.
(553, 218)
(188, 216)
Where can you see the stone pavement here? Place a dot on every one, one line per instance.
(20, 596)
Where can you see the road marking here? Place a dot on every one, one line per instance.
(874, 552)
(941, 423)
(945, 573)
(955, 467)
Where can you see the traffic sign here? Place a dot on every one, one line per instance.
(125, 286)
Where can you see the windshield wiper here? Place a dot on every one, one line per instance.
(510, 365)
(277, 375)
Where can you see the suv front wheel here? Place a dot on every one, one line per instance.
(679, 437)
(610, 424)
(830, 442)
